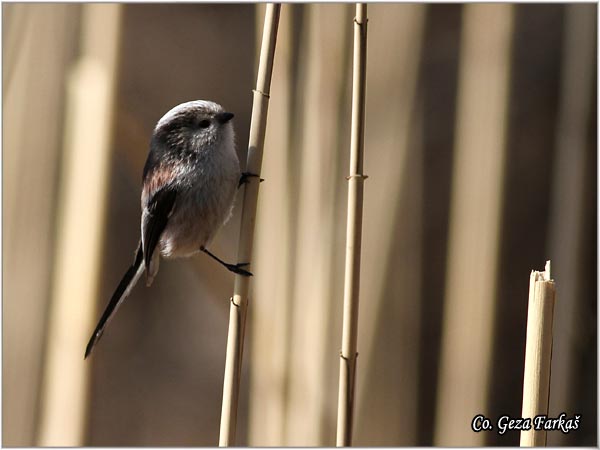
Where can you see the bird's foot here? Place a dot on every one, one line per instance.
(246, 175)
(237, 268)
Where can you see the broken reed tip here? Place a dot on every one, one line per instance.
(547, 271)
(542, 276)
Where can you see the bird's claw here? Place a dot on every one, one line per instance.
(237, 268)
(246, 175)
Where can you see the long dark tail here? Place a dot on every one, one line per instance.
(129, 280)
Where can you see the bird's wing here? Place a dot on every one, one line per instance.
(155, 217)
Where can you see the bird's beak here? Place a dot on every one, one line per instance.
(224, 117)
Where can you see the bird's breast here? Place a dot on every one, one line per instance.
(204, 202)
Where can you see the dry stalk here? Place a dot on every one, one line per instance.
(81, 212)
(538, 353)
(356, 178)
(239, 301)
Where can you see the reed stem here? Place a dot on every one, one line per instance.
(239, 301)
(356, 178)
(538, 354)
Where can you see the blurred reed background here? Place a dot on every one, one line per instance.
(481, 154)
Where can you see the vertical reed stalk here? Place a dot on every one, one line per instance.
(568, 203)
(356, 178)
(475, 218)
(239, 301)
(538, 353)
(81, 212)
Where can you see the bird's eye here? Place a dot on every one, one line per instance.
(204, 123)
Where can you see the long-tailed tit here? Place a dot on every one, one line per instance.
(189, 183)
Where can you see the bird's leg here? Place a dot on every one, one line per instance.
(245, 176)
(235, 268)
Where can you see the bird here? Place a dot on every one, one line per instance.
(189, 182)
